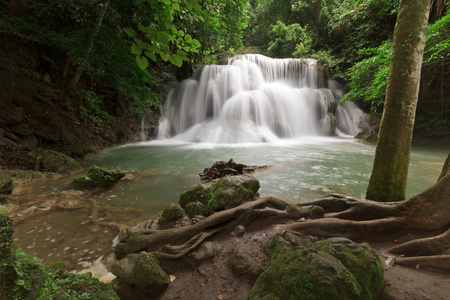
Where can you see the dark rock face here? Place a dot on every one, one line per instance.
(335, 268)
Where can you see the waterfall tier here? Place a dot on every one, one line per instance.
(254, 99)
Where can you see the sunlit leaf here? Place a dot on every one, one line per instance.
(142, 62)
(176, 60)
(188, 38)
(164, 56)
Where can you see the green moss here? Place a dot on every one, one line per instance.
(141, 271)
(306, 274)
(195, 193)
(171, 213)
(99, 177)
(53, 161)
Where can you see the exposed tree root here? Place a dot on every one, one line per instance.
(426, 246)
(441, 262)
(270, 208)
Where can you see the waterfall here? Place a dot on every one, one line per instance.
(254, 99)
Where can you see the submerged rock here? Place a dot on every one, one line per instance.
(336, 268)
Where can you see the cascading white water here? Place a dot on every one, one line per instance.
(254, 99)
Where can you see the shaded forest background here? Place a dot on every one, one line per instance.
(77, 75)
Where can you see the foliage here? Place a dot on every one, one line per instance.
(288, 40)
(162, 36)
(437, 47)
(368, 78)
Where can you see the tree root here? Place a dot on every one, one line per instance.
(441, 262)
(351, 208)
(270, 208)
(333, 227)
(425, 246)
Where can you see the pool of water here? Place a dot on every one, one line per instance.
(299, 170)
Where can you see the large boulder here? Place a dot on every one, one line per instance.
(224, 193)
(330, 269)
(141, 273)
(53, 161)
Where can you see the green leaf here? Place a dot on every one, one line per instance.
(19, 281)
(176, 6)
(188, 38)
(196, 43)
(142, 62)
(130, 32)
(135, 49)
(180, 33)
(176, 60)
(164, 56)
(162, 37)
(150, 55)
(142, 28)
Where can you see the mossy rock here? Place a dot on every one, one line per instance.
(367, 137)
(361, 260)
(99, 177)
(196, 209)
(171, 213)
(142, 272)
(232, 191)
(53, 161)
(221, 194)
(6, 182)
(330, 269)
(196, 193)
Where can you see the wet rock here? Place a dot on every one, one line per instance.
(171, 213)
(221, 169)
(99, 177)
(367, 137)
(196, 208)
(141, 274)
(330, 269)
(223, 193)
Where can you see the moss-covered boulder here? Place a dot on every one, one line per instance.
(99, 177)
(330, 269)
(360, 259)
(171, 213)
(141, 273)
(223, 193)
(6, 182)
(196, 208)
(53, 161)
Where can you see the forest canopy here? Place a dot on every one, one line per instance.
(127, 47)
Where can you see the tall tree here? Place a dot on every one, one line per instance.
(390, 169)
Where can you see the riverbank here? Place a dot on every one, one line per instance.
(211, 273)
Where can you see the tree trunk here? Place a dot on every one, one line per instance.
(68, 86)
(390, 169)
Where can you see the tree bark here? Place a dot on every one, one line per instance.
(390, 169)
